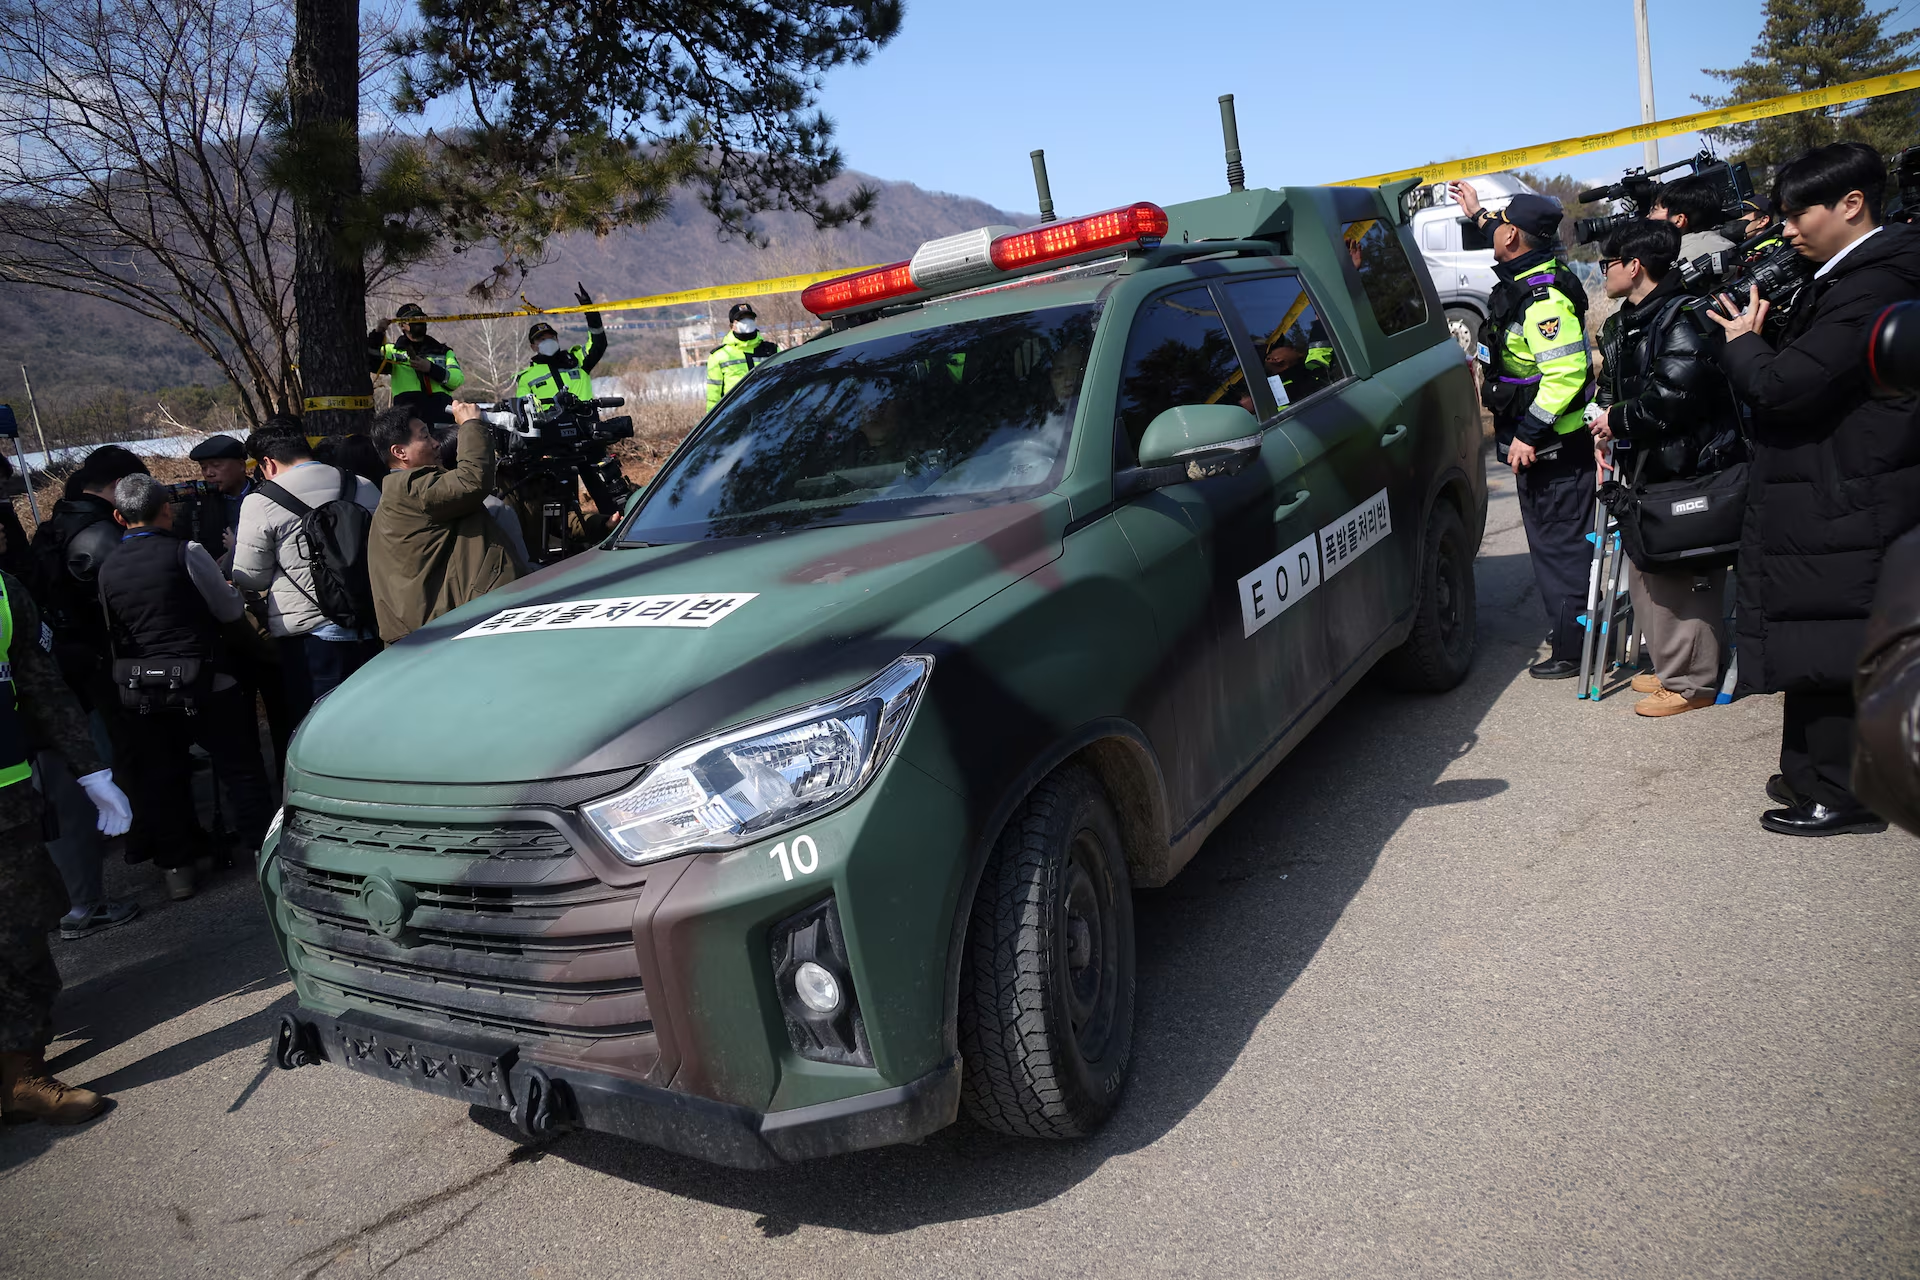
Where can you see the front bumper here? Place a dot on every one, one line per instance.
(545, 1099)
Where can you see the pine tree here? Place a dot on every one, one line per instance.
(1811, 44)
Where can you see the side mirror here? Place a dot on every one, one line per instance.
(1192, 442)
(1191, 432)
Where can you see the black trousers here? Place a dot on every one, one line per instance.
(1556, 507)
(165, 823)
(1816, 746)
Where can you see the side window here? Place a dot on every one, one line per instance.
(1178, 353)
(1472, 238)
(1433, 236)
(1392, 288)
(1284, 327)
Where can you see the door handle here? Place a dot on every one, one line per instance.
(1290, 506)
(1393, 436)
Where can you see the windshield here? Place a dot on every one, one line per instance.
(962, 415)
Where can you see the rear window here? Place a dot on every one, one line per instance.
(923, 423)
(1392, 289)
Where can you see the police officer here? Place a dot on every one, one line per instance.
(1536, 384)
(422, 371)
(554, 370)
(735, 358)
(35, 701)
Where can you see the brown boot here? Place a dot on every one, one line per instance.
(1647, 682)
(28, 1093)
(1668, 703)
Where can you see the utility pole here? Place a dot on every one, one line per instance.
(1646, 79)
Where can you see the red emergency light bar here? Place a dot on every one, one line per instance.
(862, 288)
(1140, 223)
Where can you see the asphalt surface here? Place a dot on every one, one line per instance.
(1494, 983)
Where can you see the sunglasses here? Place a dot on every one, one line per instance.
(1608, 264)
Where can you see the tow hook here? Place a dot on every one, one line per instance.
(541, 1107)
(295, 1044)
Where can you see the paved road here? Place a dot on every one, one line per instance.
(1496, 983)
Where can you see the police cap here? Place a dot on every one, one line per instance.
(409, 310)
(1757, 203)
(1536, 215)
(217, 447)
(741, 311)
(541, 330)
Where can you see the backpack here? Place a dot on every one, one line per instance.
(336, 535)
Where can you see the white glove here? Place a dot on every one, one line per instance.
(116, 812)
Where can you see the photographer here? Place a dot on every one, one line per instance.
(1692, 205)
(434, 546)
(223, 464)
(1671, 416)
(1536, 387)
(1836, 476)
(165, 603)
(274, 556)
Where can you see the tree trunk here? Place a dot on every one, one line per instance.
(329, 278)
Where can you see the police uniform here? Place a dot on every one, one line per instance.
(32, 696)
(429, 394)
(731, 361)
(566, 370)
(1536, 384)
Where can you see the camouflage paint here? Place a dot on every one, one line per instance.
(1068, 624)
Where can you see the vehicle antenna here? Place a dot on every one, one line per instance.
(1236, 176)
(1040, 181)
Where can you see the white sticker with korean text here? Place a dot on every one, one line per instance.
(700, 611)
(1279, 584)
(1353, 533)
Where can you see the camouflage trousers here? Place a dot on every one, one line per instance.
(31, 901)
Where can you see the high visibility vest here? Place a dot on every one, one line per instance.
(1540, 345)
(544, 383)
(401, 378)
(16, 765)
(732, 361)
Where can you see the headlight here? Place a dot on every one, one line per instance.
(746, 783)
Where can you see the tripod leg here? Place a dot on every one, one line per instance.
(1587, 640)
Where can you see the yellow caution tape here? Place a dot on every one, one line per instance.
(751, 289)
(1439, 171)
(1718, 118)
(314, 404)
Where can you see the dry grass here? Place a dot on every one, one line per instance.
(658, 429)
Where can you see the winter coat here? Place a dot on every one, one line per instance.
(1669, 402)
(433, 547)
(270, 555)
(1886, 753)
(1835, 476)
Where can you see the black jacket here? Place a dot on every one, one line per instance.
(1670, 407)
(68, 549)
(1886, 753)
(1836, 473)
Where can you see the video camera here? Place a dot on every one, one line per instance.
(1781, 274)
(570, 428)
(200, 515)
(1905, 171)
(1639, 192)
(1893, 349)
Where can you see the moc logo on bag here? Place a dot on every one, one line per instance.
(1689, 506)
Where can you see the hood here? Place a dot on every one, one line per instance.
(830, 607)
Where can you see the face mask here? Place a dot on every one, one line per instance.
(548, 346)
(745, 328)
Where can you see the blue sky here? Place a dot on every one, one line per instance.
(1121, 94)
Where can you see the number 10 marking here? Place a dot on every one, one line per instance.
(805, 857)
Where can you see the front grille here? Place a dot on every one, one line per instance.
(518, 936)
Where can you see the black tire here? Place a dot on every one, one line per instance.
(1439, 652)
(1046, 992)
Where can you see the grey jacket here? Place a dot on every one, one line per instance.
(270, 556)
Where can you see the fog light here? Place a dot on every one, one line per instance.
(813, 980)
(818, 989)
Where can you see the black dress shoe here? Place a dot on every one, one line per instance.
(1811, 818)
(1554, 669)
(1780, 793)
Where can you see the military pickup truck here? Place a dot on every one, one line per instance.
(807, 810)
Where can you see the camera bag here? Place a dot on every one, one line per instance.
(162, 684)
(1692, 523)
(335, 533)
